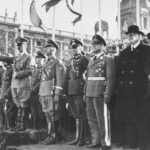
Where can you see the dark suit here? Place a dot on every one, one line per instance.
(100, 81)
(132, 107)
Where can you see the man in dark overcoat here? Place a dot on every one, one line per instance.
(76, 69)
(20, 83)
(132, 106)
(98, 90)
(51, 90)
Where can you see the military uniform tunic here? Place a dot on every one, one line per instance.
(52, 82)
(76, 69)
(21, 83)
(100, 81)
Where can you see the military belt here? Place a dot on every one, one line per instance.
(46, 79)
(96, 78)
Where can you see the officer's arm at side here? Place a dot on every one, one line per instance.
(110, 75)
(60, 78)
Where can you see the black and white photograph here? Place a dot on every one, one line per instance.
(74, 74)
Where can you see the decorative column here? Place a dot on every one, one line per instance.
(31, 46)
(6, 41)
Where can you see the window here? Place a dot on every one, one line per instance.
(145, 22)
(38, 43)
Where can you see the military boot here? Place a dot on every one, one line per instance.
(81, 140)
(59, 131)
(74, 142)
(23, 120)
(18, 122)
(51, 138)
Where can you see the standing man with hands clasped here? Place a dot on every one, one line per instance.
(98, 90)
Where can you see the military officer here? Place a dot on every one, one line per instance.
(51, 90)
(132, 107)
(20, 84)
(98, 90)
(36, 110)
(9, 108)
(76, 69)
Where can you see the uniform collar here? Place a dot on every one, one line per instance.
(99, 54)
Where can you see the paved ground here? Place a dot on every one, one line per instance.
(60, 147)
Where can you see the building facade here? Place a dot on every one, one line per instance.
(128, 12)
(10, 29)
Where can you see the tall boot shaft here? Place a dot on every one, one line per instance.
(23, 120)
(58, 131)
(18, 122)
(81, 140)
(74, 142)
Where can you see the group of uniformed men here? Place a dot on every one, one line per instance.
(89, 84)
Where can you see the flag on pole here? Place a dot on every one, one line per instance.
(50, 4)
(69, 4)
(34, 17)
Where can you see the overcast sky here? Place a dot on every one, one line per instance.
(64, 17)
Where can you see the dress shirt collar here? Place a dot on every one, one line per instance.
(135, 45)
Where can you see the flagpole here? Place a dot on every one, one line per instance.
(100, 28)
(53, 34)
(118, 20)
(138, 12)
(82, 21)
(22, 3)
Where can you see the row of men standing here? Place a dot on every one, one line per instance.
(90, 85)
(51, 88)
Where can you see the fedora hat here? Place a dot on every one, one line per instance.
(134, 29)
